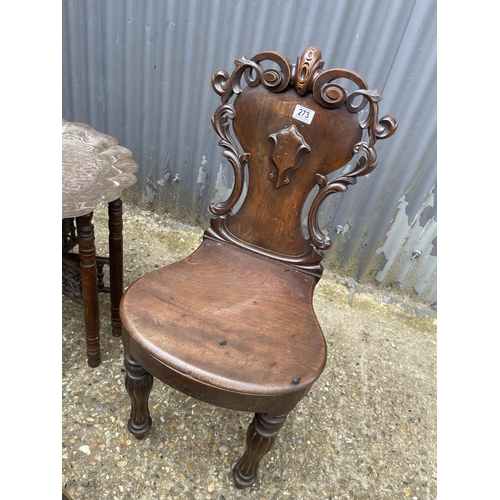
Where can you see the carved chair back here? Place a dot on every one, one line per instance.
(292, 125)
(223, 325)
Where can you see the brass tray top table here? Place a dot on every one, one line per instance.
(95, 169)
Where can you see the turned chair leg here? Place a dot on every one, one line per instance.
(115, 225)
(88, 274)
(261, 436)
(138, 383)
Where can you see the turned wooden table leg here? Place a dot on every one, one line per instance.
(138, 383)
(115, 224)
(261, 436)
(88, 274)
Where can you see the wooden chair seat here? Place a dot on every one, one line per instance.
(227, 327)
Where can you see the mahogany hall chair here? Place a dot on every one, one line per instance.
(233, 324)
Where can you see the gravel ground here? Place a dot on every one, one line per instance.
(366, 431)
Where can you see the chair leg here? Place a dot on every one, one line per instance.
(261, 436)
(138, 383)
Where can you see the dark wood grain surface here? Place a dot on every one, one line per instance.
(271, 217)
(230, 320)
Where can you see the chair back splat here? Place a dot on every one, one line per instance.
(233, 323)
(295, 125)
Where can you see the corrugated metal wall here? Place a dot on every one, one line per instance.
(141, 71)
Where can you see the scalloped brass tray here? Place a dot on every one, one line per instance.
(95, 169)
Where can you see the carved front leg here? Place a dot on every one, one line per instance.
(261, 436)
(138, 383)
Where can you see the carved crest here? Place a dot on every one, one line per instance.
(307, 66)
(288, 145)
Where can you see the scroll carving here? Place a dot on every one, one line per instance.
(366, 163)
(306, 76)
(226, 85)
(220, 122)
(288, 145)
